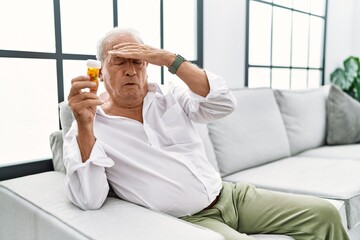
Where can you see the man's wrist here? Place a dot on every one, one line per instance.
(175, 65)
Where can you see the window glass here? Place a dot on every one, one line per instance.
(27, 30)
(288, 38)
(285, 3)
(315, 77)
(300, 39)
(180, 27)
(302, 5)
(318, 7)
(280, 78)
(154, 74)
(33, 94)
(298, 79)
(82, 22)
(30, 109)
(144, 16)
(259, 33)
(316, 41)
(259, 77)
(281, 37)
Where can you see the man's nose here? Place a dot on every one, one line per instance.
(130, 69)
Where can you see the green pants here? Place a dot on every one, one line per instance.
(243, 209)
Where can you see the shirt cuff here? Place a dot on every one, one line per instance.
(217, 87)
(97, 157)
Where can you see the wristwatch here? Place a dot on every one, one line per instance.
(176, 63)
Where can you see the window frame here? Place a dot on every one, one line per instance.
(270, 66)
(30, 167)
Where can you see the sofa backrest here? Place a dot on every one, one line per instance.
(304, 116)
(252, 135)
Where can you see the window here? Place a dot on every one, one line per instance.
(42, 49)
(285, 43)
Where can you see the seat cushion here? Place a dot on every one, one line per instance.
(252, 135)
(304, 115)
(321, 177)
(340, 151)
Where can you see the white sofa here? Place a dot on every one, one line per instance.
(275, 140)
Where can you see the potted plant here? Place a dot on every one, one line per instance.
(348, 79)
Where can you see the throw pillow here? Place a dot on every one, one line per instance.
(343, 118)
(66, 117)
(304, 115)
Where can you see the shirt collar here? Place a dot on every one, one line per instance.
(154, 87)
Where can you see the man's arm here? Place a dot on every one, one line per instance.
(209, 99)
(194, 77)
(86, 182)
(84, 158)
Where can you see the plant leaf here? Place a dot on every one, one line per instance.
(339, 78)
(357, 88)
(352, 66)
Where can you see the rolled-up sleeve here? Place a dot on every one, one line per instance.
(85, 183)
(217, 104)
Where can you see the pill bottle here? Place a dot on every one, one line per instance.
(93, 67)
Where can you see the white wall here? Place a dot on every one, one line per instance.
(356, 42)
(343, 26)
(224, 37)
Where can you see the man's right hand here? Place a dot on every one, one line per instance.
(83, 105)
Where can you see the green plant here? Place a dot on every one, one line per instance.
(348, 79)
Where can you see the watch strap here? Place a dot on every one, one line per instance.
(176, 63)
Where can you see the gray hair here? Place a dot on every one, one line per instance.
(105, 41)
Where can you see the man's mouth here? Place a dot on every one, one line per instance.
(130, 85)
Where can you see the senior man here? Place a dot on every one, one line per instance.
(140, 141)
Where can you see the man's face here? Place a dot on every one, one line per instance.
(125, 79)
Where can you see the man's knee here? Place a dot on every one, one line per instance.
(326, 213)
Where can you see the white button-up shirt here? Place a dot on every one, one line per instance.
(161, 163)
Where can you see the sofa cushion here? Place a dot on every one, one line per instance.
(321, 177)
(45, 212)
(56, 145)
(343, 118)
(209, 149)
(340, 151)
(66, 117)
(252, 135)
(304, 115)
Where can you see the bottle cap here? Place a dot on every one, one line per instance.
(93, 63)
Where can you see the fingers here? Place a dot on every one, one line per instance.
(80, 83)
(83, 99)
(78, 106)
(132, 50)
(140, 51)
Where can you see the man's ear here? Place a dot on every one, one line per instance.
(100, 75)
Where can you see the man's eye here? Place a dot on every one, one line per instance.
(138, 62)
(119, 63)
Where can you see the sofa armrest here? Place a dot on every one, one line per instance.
(39, 203)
